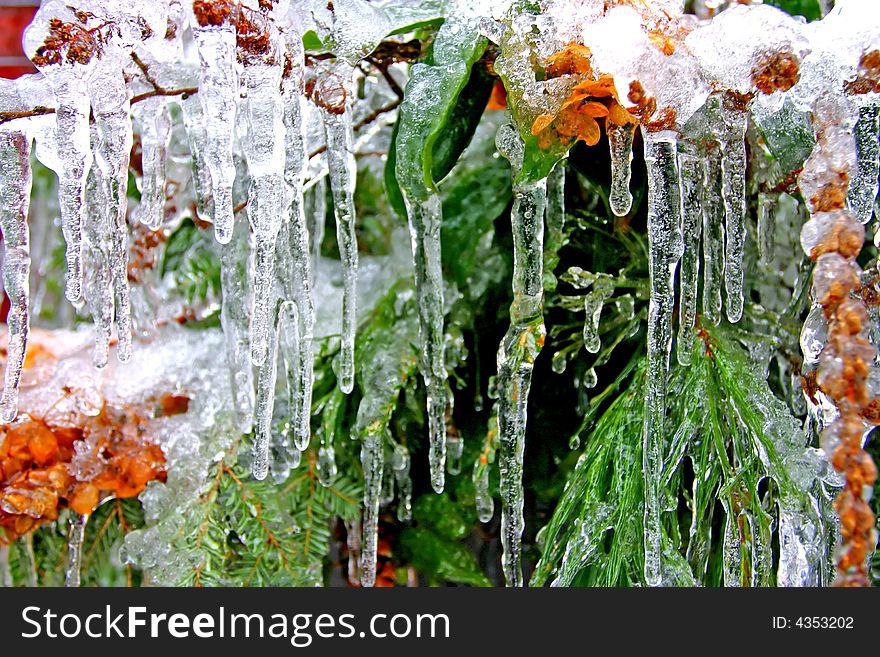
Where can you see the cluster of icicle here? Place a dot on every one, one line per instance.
(705, 77)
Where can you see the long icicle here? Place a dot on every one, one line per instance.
(265, 404)
(98, 289)
(713, 238)
(424, 217)
(15, 194)
(373, 463)
(295, 239)
(112, 148)
(214, 32)
(733, 173)
(235, 263)
(264, 151)
(664, 247)
(75, 159)
(692, 175)
(343, 178)
(76, 530)
(519, 347)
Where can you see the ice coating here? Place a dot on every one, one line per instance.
(692, 176)
(727, 56)
(519, 348)
(218, 88)
(15, 193)
(664, 224)
(155, 133)
(336, 115)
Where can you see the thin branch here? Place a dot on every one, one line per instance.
(158, 89)
(37, 111)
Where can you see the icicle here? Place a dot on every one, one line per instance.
(264, 151)
(315, 220)
(234, 318)
(664, 212)
(112, 147)
(372, 462)
(484, 501)
(692, 173)
(196, 136)
(27, 557)
(218, 90)
(519, 347)
(155, 135)
(766, 228)
(864, 183)
(75, 535)
(326, 464)
(400, 463)
(75, 157)
(424, 223)
(98, 292)
(590, 379)
(713, 238)
(733, 173)
(554, 217)
(603, 288)
(343, 178)
(265, 403)
(296, 276)
(353, 544)
(15, 194)
(454, 451)
(620, 141)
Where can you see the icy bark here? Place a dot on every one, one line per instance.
(15, 192)
(664, 220)
(218, 88)
(519, 348)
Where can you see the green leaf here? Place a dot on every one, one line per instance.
(311, 41)
(809, 9)
(440, 558)
(462, 122)
(788, 135)
(430, 99)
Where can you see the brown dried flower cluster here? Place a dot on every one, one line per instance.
(776, 71)
(72, 43)
(868, 79)
(833, 237)
(112, 453)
